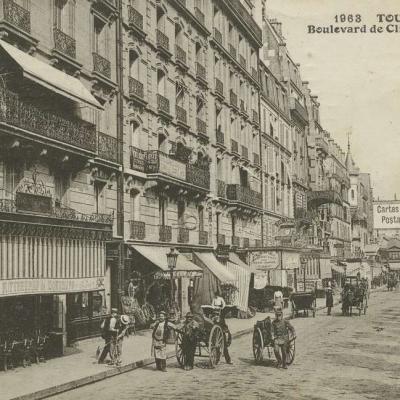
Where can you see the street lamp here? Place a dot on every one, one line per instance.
(303, 262)
(172, 257)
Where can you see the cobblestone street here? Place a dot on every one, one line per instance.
(336, 357)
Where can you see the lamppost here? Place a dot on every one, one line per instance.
(303, 262)
(172, 257)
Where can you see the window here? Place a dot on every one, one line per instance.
(233, 222)
(100, 37)
(200, 211)
(162, 202)
(161, 19)
(61, 184)
(13, 173)
(352, 194)
(161, 82)
(134, 65)
(99, 197)
(135, 205)
(162, 142)
(134, 132)
(181, 213)
(64, 16)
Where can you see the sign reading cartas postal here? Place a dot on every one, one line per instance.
(387, 215)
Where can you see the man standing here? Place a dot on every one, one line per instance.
(159, 343)
(189, 340)
(227, 337)
(280, 336)
(122, 328)
(329, 297)
(218, 301)
(109, 334)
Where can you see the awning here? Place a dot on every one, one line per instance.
(242, 274)
(158, 257)
(338, 269)
(219, 270)
(50, 77)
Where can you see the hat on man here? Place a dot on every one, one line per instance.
(161, 313)
(114, 311)
(125, 319)
(189, 315)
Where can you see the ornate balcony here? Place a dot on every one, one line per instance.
(218, 36)
(201, 127)
(180, 56)
(136, 89)
(246, 242)
(20, 114)
(135, 20)
(165, 233)
(245, 152)
(220, 138)
(198, 176)
(232, 51)
(256, 159)
(233, 99)
(242, 61)
(244, 195)
(199, 15)
(137, 159)
(64, 43)
(162, 42)
(17, 15)
(201, 73)
(234, 146)
(236, 241)
(298, 110)
(255, 117)
(254, 73)
(183, 235)
(203, 238)
(219, 87)
(107, 147)
(181, 115)
(163, 105)
(221, 189)
(101, 65)
(138, 230)
(220, 239)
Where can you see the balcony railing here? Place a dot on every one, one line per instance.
(218, 36)
(255, 117)
(220, 137)
(199, 15)
(138, 230)
(17, 15)
(234, 146)
(201, 127)
(101, 65)
(244, 195)
(201, 72)
(20, 114)
(162, 40)
(233, 98)
(203, 237)
(180, 55)
(221, 239)
(181, 114)
(136, 88)
(232, 51)
(137, 159)
(236, 241)
(254, 73)
(64, 43)
(108, 147)
(219, 87)
(198, 176)
(162, 103)
(183, 235)
(256, 159)
(165, 233)
(242, 61)
(135, 18)
(245, 152)
(246, 242)
(297, 108)
(221, 189)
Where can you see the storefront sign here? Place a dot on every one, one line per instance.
(15, 287)
(290, 260)
(263, 260)
(387, 214)
(33, 203)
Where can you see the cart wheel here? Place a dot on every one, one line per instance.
(291, 349)
(215, 345)
(180, 354)
(258, 345)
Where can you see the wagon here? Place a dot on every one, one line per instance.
(264, 344)
(209, 341)
(303, 301)
(354, 295)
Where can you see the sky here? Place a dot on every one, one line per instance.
(356, 78)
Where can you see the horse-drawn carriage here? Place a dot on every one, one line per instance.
(262, 340)
(392, 281)
(354, 295)
(303, 301)
(210, 337)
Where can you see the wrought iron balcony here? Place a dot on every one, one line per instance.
(165, 233)
(218, 36)
(203, 237)
(101, 65)
(232, 51)
(198, 176)
(137, 159)
(244, 195)
(162, 40)
(236, 241)
(256, 159)
(242, 61)
(64, 43)
(220, 239)
(201, 127)
(233, 98)
(183, 235)
(220, 137)
(181, 114)
(107, 147)
(254, 73)
(24, 115)
(201, 72)
(136, 88)
(255, 117)
(135, 18)
(245, 152)
(246, 242)
(234, 146)
(199, 15)
(138, 230)
(221, 189)
(162, 104)
(17, 15)
(180, 55)
(219, 87)
(298, 109)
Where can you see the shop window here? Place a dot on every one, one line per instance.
(98, 303)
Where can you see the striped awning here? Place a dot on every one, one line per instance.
(220, 271)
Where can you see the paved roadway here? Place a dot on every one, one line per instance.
(336, 357)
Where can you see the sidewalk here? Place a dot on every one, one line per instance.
(80, 368)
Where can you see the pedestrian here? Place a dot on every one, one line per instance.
(329, 297)
(227, 337)
(108, 333)
(280, 336)
(278, 299)
(160, 333)
(131, 288)
(218, 301)
(190, 331)
(122, 328)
